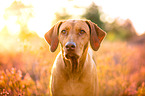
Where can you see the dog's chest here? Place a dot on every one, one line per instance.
(73, 87)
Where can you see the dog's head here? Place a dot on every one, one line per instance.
(74, 36)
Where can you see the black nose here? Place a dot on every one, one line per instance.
(70, 45)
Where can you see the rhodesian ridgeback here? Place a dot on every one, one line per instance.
(74, 71)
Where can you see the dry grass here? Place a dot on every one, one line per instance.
(121, 68)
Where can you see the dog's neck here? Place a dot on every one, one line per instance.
(74, 66)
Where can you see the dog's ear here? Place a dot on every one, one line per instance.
(52, 36)
(96, 35)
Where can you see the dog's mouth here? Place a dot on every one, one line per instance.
(71, 56)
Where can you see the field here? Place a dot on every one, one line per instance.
(25, 67)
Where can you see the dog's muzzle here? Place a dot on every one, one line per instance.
(70, 48)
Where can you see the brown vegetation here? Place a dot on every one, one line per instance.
(25, 68)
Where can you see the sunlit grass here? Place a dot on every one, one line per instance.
(121, 69)
(117, 66)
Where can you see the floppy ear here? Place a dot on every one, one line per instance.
(96, 35)
(52, 38)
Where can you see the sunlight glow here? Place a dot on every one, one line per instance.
(132, 9)
(2, 23)
(43, 16)
(40, 27)
(13, 27)
(44, 13)
(3, 4)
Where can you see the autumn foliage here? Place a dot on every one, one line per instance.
(25, 68)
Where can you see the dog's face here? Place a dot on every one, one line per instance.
(74, 36)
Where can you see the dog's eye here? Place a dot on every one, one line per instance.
(64, 32)
(82, 32)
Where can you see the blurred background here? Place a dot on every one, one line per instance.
(25, 59)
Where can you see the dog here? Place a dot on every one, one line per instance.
(74, 71)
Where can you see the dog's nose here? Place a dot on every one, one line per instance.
(70, 45)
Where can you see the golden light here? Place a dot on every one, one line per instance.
(3, 5)
(40, 22)
(13, 27)
(43, 16)
(125, 9)
(40, 27)
(2, 23)
(44, 13)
